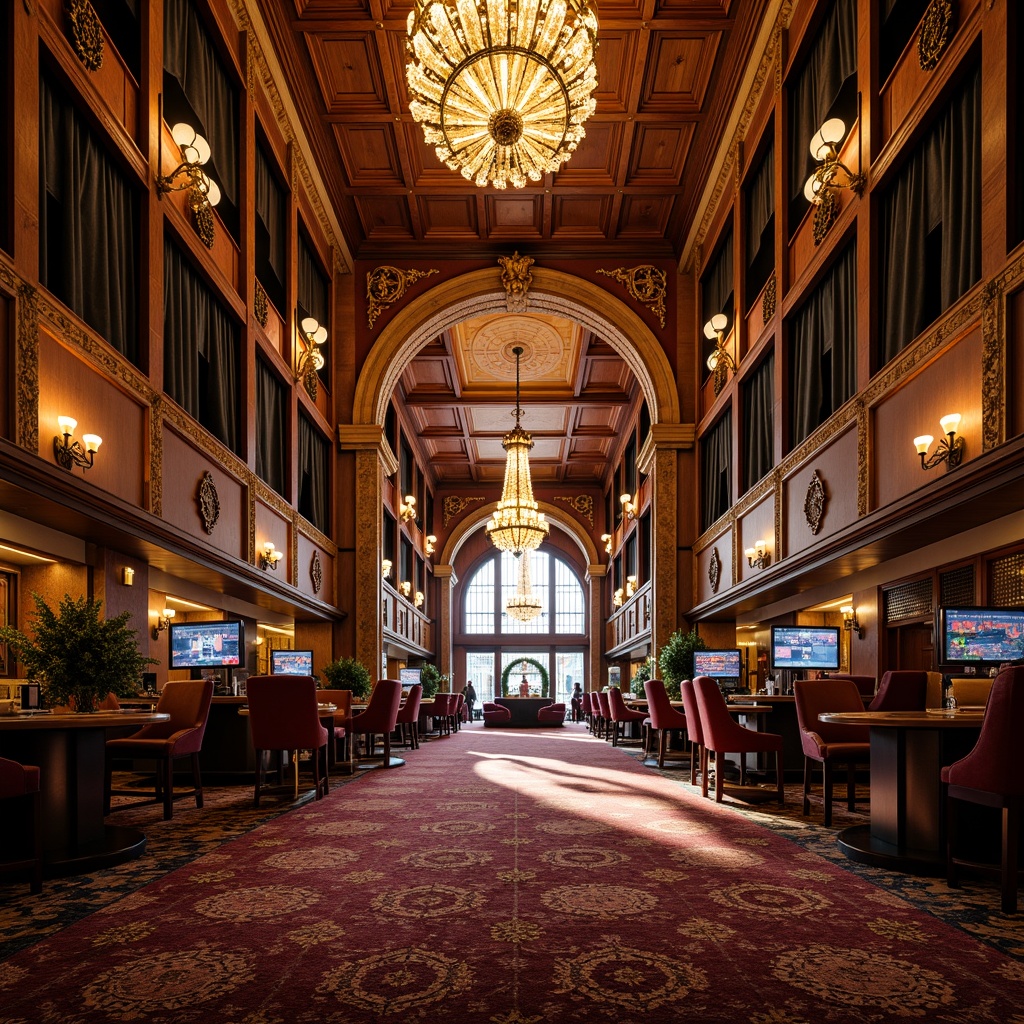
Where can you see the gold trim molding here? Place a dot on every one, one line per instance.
(385, 285)
(582, 503)
(454, 505)
(646, 284)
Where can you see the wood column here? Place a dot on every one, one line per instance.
(595, 670)
(446, 579)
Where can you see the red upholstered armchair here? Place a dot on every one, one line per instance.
(621, 715)
(901, 691)
(551, 713)
(20, 782)
(187, 701)
(408, 719)
(342, 701)
(698, 752)
(865, 684)
(827, 743)
(604, 715)
(380, 716)
(496, 714)
(723, 735)
(991, 775)
(664, 719)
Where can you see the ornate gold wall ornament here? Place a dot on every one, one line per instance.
(715, 570)
(815, 501)
(453, 505)
(86, 33)
(826, 210)
(993, 368)
(208, 501)
(934, 35)
(645, 284)
(516, 280)
(202, 221)
(582, 503)
(311, 382)
(768, 300)
(156, 457)
(386, 285)
(27, 367)
(316, 572)
(260, 306)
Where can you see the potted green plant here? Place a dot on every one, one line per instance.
(676, 658)
(78, 657)
(642, 674)
(431, 680)
(347, 674)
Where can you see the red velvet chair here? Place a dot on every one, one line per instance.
(20, 782)
(342, 701)
(620, 715)
(722, 734)
(551, 713)
(901, 691)
(496, 714)
(991, 775)
(604, 715)
(827, 743)
(187, 701)
(284, 715)
(380, 717)
(698, 752)
(585, 708)
(865, 684)
(663, 718)
(459, 702)
(408, 719)
(442, 713)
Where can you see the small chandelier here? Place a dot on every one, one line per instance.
(516, 525)
(525, 606)
(502, 87)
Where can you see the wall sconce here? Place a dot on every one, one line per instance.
(407, 508)
(419, 599)
(405, 587)
(128, 576)
(617, 597)
(630, 586)
(312, 359)
(70, 453)
(430, 542)
(850, 623)
(162, 622)
(385, 568)
(630, 506)
(950, 449)
(607, 539)
(822, 187)
(258, 642)
(202, 191)
(758, 557)
(269, 557)
(720, 362)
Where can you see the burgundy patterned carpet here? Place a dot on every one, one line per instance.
(511, 878)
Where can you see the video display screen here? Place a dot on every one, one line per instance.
(291, 663)
(206, 644)
(717, 664)
(805, 647)
(981, 635)
(409, 676)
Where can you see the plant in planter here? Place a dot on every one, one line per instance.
(676, 658)
(431, 680)
(347, 674)
(78, 657)
(642, 674)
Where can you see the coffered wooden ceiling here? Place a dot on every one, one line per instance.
(668, 71)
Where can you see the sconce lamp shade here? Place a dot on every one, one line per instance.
(827, 138)
(92, 442)
(67, 424)
(195, 149)
(950, 423)
(812, 188)
(212, 189)
(715, 325)
(923, 443)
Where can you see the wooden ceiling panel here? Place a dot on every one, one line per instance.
(370, 154)
(385, 217)
(581, 217)
(595, 421)
(427, 375)
(616, 60)
(596, 449)
(644, 216)
(332, 8)
(678, 71)
(347, 68)
(517, 217)
(443, 449)
(596, 158)
(606, 375)
(497, 419)
(449, 217)
(659, 153)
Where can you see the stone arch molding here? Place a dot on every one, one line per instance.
(479, 293)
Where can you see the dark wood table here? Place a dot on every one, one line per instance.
(908, 751)
(70, 751)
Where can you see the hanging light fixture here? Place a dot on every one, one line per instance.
(502, 87)
(516, 525)
(525, 605)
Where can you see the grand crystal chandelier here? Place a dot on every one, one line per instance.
(502, 87)
(516, 525)
(524, 605)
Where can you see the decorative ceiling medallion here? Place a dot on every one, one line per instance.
(516, 279)
(582, 503)
(202, 221)
(936, 29)
(645, 284)
(815, 502)
(715, 570)
(768, 300)
(316, 572)
(86, 34)
(260, 307)
(826, 211)
(209, 502)
(453, 505)
(386, 285)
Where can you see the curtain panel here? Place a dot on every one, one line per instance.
(270, 230)
(931, 224)
(716, 471)
(760, 226)
(823, 348)
(89, 225)
(759, 423)
(201, 343)
(314, 476)
(271, 432)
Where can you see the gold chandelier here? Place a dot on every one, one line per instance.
(516, 525)
(502, 87)
(525, 605)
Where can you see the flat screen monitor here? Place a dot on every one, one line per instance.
(206, 644)
(803, 647)
(285, 662)
(409, 677)
(717, 664)
(973, 636)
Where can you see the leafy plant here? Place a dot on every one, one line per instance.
(520, 665)
(78, 657)
(676, 658)
(347, 674)
(642, 674)
(431, 680)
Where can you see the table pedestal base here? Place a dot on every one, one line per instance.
(860, 845)
(117, 845)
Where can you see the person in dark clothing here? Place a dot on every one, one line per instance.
(470, 694)
(576, 700)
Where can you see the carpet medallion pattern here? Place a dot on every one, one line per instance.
(511, 878)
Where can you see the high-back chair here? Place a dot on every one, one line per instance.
(664, 719)
(865, 684)
(284, 714)
(827, 743)
(723, 735)
(342, 701)
(20, 783)
(187, 701)
(604, 715)
(901, 691)
(585, 707)
(408, 719)
(380, 716)
(694, 731)
(620, 715)
(991, 775)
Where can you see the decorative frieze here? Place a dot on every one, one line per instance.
(453, 505)
(582, 503)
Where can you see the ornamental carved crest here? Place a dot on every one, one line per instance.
(86, 33)
(316, 572)
(646, 284)
(516, 279)
(208, 501)
(386, 285)
(715, 570)
(814, 503)
(933, 38)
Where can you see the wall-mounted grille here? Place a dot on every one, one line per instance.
(956, 587)
(908, 601)
(1006, 581)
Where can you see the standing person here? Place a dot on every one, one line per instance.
(524, 687)
(576, 700)
(470, 694)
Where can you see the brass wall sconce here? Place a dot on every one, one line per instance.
(850, 623)
(758, 557)
(419, 599)
(405, 587)
(69, 452)
(606, 538)
(949, 450)
(162, 622)
(630, 586)
(429, 544)
(822, 187)
(618, 597)
(312, 359)
(128, 576)
(630, 505)
(269, 557)
(407, 508)
(385, 568)
(202, 191)
(720, 362)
